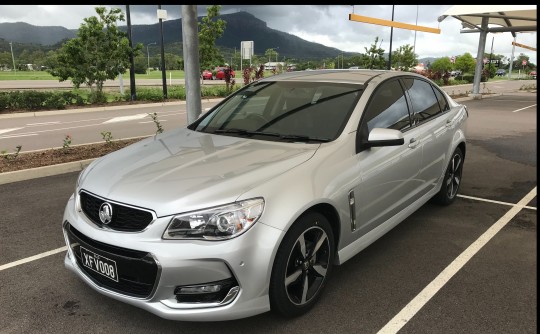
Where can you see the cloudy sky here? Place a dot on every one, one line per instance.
(325, 24)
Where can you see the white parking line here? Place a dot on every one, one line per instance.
(125, 118)
(410, 310)
(32, 258)
(161, 121)
(40, 124)
(16, 136)
(8, 130)
(534, 105)
(496, 202)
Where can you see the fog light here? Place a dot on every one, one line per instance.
(189, 290)
(212, 292)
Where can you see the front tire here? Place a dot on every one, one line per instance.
(302, 265)
(452, 179)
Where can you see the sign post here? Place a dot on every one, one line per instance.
(246, 52)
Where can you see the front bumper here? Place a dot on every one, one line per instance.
(247, 259)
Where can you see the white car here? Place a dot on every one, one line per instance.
(247, 209)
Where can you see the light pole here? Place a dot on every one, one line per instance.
(490, 55)
(148, 55)
(12, 56)
(391, 33)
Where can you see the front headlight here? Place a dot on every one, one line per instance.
(219, 223)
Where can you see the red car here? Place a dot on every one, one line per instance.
(533, 74)
(220, 75)
(207, 75)
(217, 74)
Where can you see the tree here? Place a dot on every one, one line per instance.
(271, 54)
(5, 60)
(518, 63)
(210, 29)
(466, 63)
(442, 67)
(374, 57)
(404, 58)
(99, 52)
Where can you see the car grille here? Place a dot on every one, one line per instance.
(137, 271)
(124, 218)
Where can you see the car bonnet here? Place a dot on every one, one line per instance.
(184, 170)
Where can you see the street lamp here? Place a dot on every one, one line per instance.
(148, 55)
(13, 57)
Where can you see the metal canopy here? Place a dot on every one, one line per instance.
(508, 18)
(491, 18)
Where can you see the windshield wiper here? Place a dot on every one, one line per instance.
(304, 138)
(243, 132)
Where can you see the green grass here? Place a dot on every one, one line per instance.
(26, 75)
(176, 74)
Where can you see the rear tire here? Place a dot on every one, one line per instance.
(452, 179)
(302, 265)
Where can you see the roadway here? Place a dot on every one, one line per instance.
(48, 130)
(467, 268)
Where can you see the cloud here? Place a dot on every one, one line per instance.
(325, 24)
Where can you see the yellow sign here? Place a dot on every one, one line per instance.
(524, 46)
(372, 20)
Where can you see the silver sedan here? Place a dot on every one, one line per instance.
(247, 209)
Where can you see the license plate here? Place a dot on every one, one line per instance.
(100, 264)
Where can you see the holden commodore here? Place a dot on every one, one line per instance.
(248, 208)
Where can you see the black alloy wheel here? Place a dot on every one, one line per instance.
(302, 265)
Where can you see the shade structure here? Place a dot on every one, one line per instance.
(484, 19)
(501, 18)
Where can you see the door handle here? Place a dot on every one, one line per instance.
(449, 123)
(413, 143)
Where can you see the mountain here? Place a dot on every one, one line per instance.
(241, 26)
(22, 32)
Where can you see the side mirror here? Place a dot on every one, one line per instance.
(385, 137)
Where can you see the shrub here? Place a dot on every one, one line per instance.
(469, 78)
(4, 100)
(54, 101)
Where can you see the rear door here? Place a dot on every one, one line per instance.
(432, 118)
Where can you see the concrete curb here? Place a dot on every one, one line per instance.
(468, 98)
(33, 173)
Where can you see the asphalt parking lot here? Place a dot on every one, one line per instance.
(467, 268)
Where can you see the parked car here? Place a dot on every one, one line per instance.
(533, 74)
(500, 72)
(220, 74)
(455, 73)
(248, 208)
(207, 75)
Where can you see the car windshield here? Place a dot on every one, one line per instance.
(284, 111)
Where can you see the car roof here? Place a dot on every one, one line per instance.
(355, 76)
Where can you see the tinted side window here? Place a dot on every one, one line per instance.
(442, 100)
(388, 108)
(424, 103)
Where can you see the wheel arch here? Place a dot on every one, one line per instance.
(331, 214)
(462, 147)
